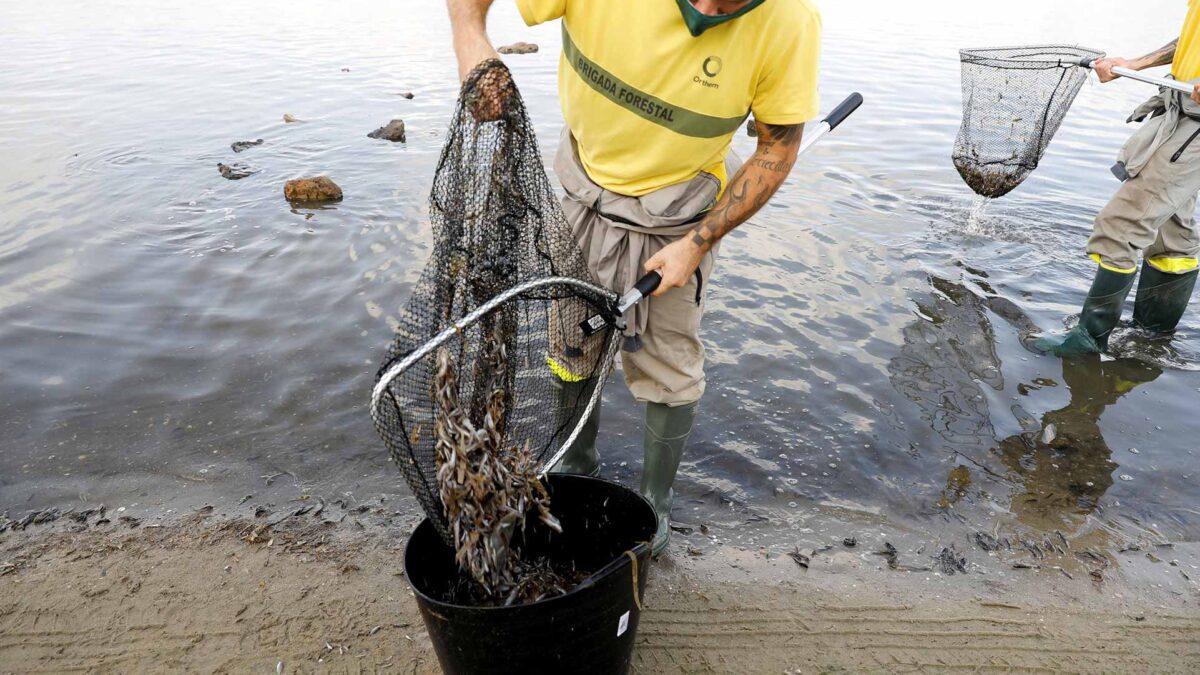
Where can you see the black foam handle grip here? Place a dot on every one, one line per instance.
(843, 110)
(649, 282)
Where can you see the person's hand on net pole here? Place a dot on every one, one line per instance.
(1159, 57)
(676, 262)
(1103, 67)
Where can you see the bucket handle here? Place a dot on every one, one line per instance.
(636, 599)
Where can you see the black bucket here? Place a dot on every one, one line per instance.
(589, 630)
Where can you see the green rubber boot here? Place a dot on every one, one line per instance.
(582, 457)
(667, 431)
(1162, 298)
(1100, 314)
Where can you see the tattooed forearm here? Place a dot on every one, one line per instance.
(1159, 57)
(754, 184)
(779, 165)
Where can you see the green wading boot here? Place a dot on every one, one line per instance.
(1162, 298)
(1100, 314)
(582, 457)
(667, 431)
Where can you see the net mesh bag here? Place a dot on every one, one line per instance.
(1014, 100)
(489, 406)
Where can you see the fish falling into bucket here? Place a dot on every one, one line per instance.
(489, 487)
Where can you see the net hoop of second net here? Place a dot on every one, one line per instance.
(1014, 100)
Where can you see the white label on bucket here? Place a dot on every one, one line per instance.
(623, 624)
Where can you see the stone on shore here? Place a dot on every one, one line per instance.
(394, 132)
(519, 48)
(318, 189)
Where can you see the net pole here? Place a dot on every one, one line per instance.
(1182, 87)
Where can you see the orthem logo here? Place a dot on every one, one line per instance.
(712, 66)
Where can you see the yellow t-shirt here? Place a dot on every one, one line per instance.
(651, 106)
(1186, 66)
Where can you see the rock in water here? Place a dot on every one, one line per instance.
(239, 146)
(405, 94)
(234, 171)
(319, 189)
(394, 132)
(519, 48)
(288, 118)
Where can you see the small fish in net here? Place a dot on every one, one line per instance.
(1014, 100)
(487, 486)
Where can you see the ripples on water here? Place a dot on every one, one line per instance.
(169, 337)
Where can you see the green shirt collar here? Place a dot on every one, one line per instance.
(698, 22)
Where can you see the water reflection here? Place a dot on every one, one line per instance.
(957, 484)
(1063, 463)
(937, 370)
(1057, 466)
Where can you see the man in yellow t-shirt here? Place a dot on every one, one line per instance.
(1153, 211)
(652, 92)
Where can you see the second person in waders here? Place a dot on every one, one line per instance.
(652, 93)
(1153, 211)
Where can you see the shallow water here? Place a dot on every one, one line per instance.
(170, 338)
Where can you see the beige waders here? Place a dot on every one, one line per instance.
(1152, 212)
(662, 357)
(1151, 215)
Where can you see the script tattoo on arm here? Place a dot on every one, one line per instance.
(1159, 57)
(754, 184)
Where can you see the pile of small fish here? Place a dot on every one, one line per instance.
(488, 487)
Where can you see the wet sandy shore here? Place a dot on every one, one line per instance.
(206, 593)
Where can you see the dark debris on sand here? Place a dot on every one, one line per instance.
(889, 554)
(987, 542)
(950, 562)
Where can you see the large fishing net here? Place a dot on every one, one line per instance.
(470, 398)
(1014, 100)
